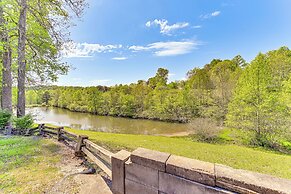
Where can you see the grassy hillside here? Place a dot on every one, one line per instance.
(259, 160)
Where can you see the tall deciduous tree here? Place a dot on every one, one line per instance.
(6, 97)
(21, 58)
(42, 28)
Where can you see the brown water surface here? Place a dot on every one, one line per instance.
(86, 121)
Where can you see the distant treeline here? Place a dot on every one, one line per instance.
(254, 96)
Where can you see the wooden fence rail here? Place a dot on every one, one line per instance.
(82, 145)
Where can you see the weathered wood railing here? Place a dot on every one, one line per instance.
(82, 146)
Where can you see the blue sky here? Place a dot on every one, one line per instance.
(122, 41)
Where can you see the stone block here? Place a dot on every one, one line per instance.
(149, 158)
(243, 181)
(174, 184)
(141, 174)
(118, 171)
(132, 187)
(195, 170)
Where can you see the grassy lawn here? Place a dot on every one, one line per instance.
(253, 159)
(27, 165)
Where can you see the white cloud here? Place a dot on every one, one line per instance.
(119, 58)
(167, 48)
(216, 13)
(135, 48)
(171, 74)
(76, 50)
(148, 24)
(164, 27)
(210, 15)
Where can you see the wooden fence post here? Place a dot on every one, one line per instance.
(40, 127)
(60, 133)
(80, 143)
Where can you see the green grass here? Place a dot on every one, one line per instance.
(254, 159)
(27, 165)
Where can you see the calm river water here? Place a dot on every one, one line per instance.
(86, 121)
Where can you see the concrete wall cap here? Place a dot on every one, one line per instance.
(195, 170)
(122, 155)
(149, 158)
(253, 181)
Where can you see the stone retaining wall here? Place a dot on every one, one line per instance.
(150, 172)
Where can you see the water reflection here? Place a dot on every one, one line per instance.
(85, 121)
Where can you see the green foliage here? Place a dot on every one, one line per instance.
(24, 122)
(178, 101)
(5, 117)
(257, 105)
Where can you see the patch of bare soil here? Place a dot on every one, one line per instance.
(73, 181)
(177, 134)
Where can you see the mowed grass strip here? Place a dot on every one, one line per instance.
(253, 159)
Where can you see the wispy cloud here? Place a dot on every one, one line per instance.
(165, 28)
(119, 58)
(77, 50)
(171, 74)
(167, 48)
(196, 27)
(210, 15)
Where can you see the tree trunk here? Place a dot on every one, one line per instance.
(6, 97)
(21, 59)
(7, 81)
(6, 90)
(2, 23)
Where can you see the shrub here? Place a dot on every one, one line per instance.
(5, 117)
(24, 122)
(205, 129)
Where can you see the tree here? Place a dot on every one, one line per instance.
(239, 61)
(46, 97)
(41, 41)
(199, 83)
(160, 78)
(21, 58)
(7, 80)
(6, 97)
(224, 76)
(280, 62)
(255, 106)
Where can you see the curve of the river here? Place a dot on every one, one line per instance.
(86, 121)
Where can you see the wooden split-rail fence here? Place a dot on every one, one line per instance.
(81, 144)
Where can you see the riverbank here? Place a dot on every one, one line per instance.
(183, 121)
(253, 159)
